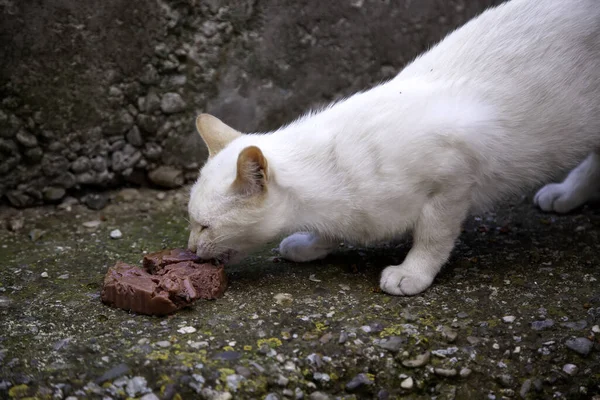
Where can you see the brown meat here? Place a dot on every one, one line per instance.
(131, 288)
(175, 284)
(154, 261)
(205, 281)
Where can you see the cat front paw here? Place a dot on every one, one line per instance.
(400, 281)
(303, 247)
(557, 197)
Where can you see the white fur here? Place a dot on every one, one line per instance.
(508, 101)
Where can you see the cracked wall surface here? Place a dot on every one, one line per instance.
(102, 94)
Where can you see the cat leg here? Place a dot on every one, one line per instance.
(305, 246)
(436, 231)
(580, 186)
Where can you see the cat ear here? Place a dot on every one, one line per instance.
(215, 133)
(252, 172)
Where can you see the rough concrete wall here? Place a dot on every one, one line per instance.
(96, 94)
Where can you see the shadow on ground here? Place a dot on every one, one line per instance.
(515, 313)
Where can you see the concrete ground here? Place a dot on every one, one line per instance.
(514, 314)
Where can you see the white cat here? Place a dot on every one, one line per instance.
(506, 102)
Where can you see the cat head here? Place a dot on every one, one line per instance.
(230, 202)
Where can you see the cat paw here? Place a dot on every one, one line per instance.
(303, 247)
(400, 282)
(557, 197)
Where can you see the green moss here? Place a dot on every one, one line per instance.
(18, 391)
(224, 373)
(320, 327)
(393, 330)
(159, 355)
(492, 323)
(271, 342)
(257, 386)
(189, 359)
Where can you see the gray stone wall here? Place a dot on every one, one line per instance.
(98, 94)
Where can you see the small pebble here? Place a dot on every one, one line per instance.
(596, 328)
(326, 338)
(113, 373)
(161, 195)
(343, 337)
(509, 319)
(92, 224)
(540, 325)
(408, 316)
(575, 325)
(116, 234)
(282, 381)
(570, 369)
(63, 276)
(358, 381)
(464, 372)
(446, 372)
(418, 361)
(506, 380)
(284, 299)
(67, 203)
(392, 343)
(186, 329)
(319, 376)
(473, 340)
(408, 383)
(136, 385)
(36, 234)
(234, 381)
(580, 345)
(16, 224)
(313, 278)
(525, 388)
(317, 396)
(96, 201)
(163, 343)
(449, 334)
(44, 274)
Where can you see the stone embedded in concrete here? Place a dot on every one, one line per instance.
(167, 177)
(172, 103)
(81, 164)
(134, 137)
(53, 165)
(26, 139)
(151, 103)
(119, 123)
(148, 123)
(19, 199)
(149, 75)
(34, 155)
(53, 194)
(65, 180)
